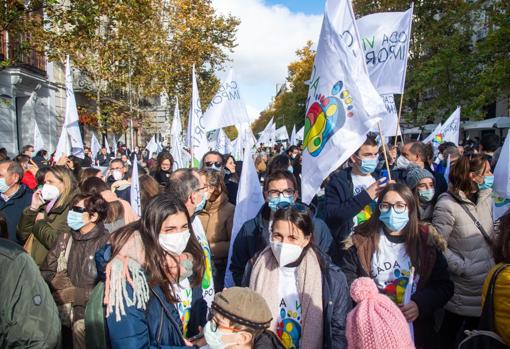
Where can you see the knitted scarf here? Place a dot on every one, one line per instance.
(264, 280)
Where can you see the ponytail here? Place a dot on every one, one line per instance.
(460, 170)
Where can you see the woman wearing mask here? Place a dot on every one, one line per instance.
(164, 165)
(46, 218)
(463, 215)
(397, 251)
(69, 267)
(217, 219)
(231, 178)
(164, 262)
(306, 293)
(421, 182)
(120, 211)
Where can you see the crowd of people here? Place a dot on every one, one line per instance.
(403, 253)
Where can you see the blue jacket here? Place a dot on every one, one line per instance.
(251, 239)
(341, 206)
(13, 209)
(159, 325)
(336, 301)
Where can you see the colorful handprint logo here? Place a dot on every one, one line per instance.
(324, 117)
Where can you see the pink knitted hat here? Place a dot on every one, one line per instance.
(376, 322)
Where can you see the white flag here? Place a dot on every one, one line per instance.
(300, 135)
(249, 202)
(227, 107)
(265, 135)
(222, 143)
(152, 146)
(389, 120)
(281, 134)
(385, 39)
(342, 104)
(107, 146)
(450, 131)
(135, 189)
(293, 140)
(196, 138)
(63, 145)
(71, 115)
(501, 189)
(176, 140)
(38, 139)
(433, 135)
(95, 147)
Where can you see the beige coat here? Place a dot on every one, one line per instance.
(217, 220)
(468, 254)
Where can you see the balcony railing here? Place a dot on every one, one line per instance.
(20, 56)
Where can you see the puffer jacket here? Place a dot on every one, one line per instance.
(217, 220)
(468, 255)
(501, 301)
(81, 265)
(46, 230)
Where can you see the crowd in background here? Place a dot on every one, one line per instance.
(380, 247)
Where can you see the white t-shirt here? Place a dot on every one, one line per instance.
(185, 294)
(288, 323)
(360, 183)
(391, 267)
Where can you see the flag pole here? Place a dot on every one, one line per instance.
(384, 150)
(398, 120)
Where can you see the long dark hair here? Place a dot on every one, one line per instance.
(410, 232)
(149, 226)
(460, 170)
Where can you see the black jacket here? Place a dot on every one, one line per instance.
(12, 209)
(336, 302)
(434, 287)
(162, 177)
(341, 206)
(103, 160)
(254, 237)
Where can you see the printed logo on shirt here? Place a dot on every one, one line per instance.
(398, 278)
(288, 327)
(184, 308)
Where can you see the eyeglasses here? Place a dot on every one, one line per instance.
(276, 193)
(210, 163)
(215, 326)
(78, 209)
(398, 207)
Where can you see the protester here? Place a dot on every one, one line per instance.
(217, 219)
(350, 194)
(418, 154)
(468, 250)
(103, 158)
(280, 163)
(488, 145)
(240, 317)
(261, 166)
(4, 234)
(164, 168)
(125, 159)
(118, 179)
(306, 293)
(3, 154)
(29, 314)
(69, 267)
(46, 218)
(28, 150)
(254, 235)
(74, 164)
(90, 172)
(149, 188)
(231, 178)
(293, 151)
(120, 212)
(163, 257)
(388, 247)
(87, 157)
(421, 182)
(391, 156)
(375, 322)
(502, 286)
(14, 195)
(30, 170)
(41, 158)
(212, 160)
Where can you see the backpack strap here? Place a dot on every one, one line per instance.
(487, 317)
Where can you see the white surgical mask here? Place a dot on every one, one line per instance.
(3, 186)
(285, 253)
(402, 162)
(117, 175)
(49, 192)
(174, 243)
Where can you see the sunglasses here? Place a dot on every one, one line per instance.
(78, 209)
(210, 163)
(298, 206)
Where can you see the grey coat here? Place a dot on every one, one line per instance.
(468, 254)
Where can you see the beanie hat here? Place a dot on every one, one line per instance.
(243, 306)
(415, 175)
(376, 322)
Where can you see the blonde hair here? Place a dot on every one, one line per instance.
(64, 175)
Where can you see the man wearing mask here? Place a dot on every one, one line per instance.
(417, 154)
(103, 159)
(350, 194)
(293, 152)
(254, 236)
(118, 179)
(87, 159)
(14, 196)
(188, 186)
